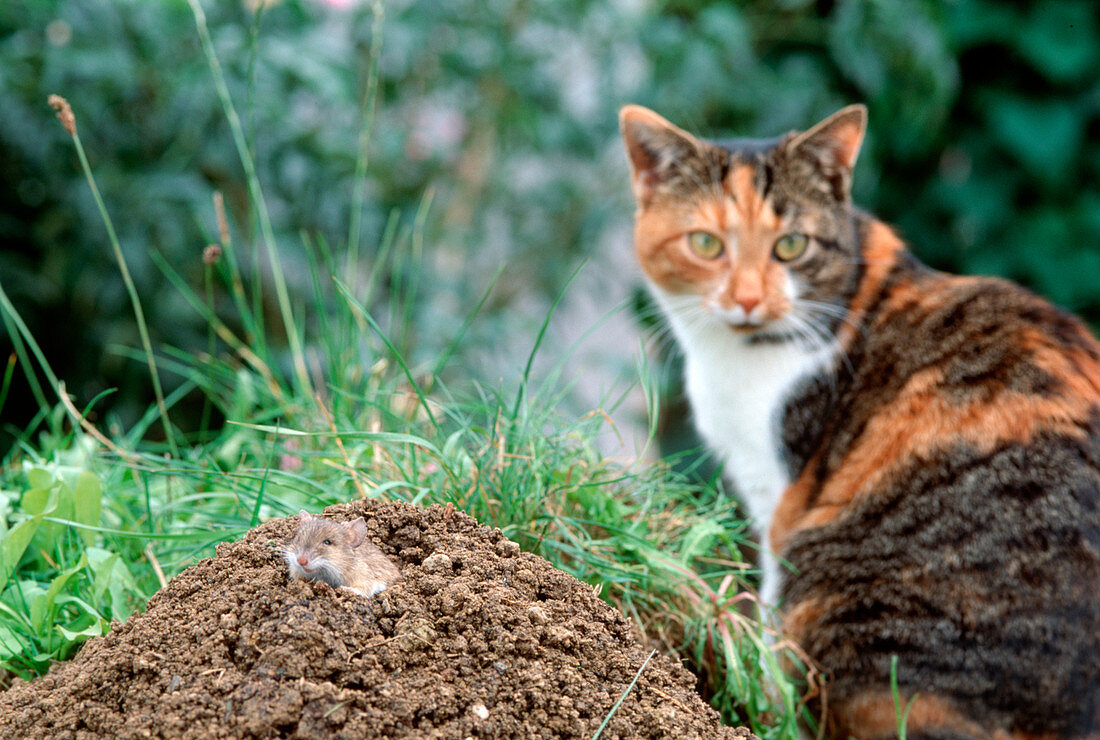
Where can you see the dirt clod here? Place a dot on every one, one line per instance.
(479, 640)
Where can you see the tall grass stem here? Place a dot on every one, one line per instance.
(522, 392)
(370, 96)
(135, 301)
(17, 330)
(278, 276)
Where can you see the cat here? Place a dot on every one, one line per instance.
(920, 451)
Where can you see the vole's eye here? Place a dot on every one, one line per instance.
(328, 542)
(705, 244)
(790, 247)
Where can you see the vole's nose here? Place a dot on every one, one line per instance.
(303, 560)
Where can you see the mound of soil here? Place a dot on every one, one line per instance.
(478, 640)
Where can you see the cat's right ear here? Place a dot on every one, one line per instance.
(654, 146)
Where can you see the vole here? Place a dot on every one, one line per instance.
(339, 554)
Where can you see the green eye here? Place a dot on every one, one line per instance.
(790, 247)
(704, 244)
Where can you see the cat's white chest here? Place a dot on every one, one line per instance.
(738, 392)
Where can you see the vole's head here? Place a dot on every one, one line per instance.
(323, 550)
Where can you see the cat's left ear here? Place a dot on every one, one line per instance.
(832, 147)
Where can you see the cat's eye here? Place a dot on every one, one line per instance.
(790, 247)
(705, 244)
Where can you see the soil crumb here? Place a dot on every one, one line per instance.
(479, 640)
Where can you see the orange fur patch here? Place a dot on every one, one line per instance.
(802, 617)
(918, 421)
(881, 249)
(921, 417)
(657, 232)
(874, 715)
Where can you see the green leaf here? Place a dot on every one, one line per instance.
(42, 604)
(15, 544)
(110, 574)
(39, 478)
(1045, 136)
(87, 502)
(95, 629)
(12, 643)
(700, 539)
(1060, 39)
(38, 499)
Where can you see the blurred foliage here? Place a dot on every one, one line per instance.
(505, 111)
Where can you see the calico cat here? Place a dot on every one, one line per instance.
(920, 451)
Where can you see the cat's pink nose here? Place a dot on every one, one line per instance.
(303, 560)
(748, 302)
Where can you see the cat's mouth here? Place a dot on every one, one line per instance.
(747, 325)
(739, 320)
(758, 329)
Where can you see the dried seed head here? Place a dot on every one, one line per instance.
(64, 113)
(212, 254)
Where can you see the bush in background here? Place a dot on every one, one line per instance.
(505, 114)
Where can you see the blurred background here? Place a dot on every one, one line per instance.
(494, 143)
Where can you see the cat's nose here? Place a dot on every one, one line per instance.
(747, 290)
(748, 302)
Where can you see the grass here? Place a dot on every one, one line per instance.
(615, 708)
(92, 523)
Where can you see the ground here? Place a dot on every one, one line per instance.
(487, 642)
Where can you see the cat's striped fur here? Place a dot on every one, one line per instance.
(923, 450)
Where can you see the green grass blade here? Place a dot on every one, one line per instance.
(370, 98)
(522, 392)
(622, 698)
(393, 350)
(135, 301)
(10, 314)
(256, 193)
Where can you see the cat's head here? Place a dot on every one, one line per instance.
(754, 236)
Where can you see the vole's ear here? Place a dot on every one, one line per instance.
(304, 515)
(357, 531)
(659, 151)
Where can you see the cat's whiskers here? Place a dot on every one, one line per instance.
(687, 310)
(820, 338)
(832, 311)
(805, 331)
(662, 331)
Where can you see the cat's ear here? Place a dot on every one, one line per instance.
(832, 147)
(658, 150)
